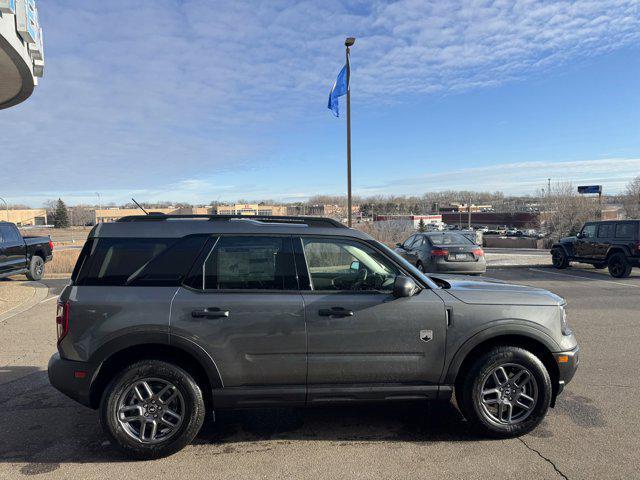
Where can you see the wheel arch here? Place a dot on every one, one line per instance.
(537, 343)
(616, 249)
(180, 352)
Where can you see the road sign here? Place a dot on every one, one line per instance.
(590, 189)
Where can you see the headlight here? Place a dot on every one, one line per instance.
(564, 327)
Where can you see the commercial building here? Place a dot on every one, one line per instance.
(106, 215)
(21, 51)
(26, 217)
(251, 209)
(414, 220)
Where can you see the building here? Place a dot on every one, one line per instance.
(434, 220)
(106, 215)
(463, 207)
(21, 51)
(26, 217)
(518, 220)
(251, 209)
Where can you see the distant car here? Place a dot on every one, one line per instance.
(612, 244)
(20, 254)
(449, 252)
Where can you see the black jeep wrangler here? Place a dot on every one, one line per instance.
(614, 244)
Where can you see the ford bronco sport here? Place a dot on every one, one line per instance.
(169, 317)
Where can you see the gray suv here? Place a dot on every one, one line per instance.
(169, 317)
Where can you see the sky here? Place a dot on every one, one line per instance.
(200, 101)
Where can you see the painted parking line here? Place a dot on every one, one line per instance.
(609, 282)
(50, 298)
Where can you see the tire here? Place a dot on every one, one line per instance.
(559, 258)
(619, 267)
(501, 415)
(120, 402)
(36, 268)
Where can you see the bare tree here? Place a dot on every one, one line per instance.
(631, 199)
(565, 211)
(388, 232)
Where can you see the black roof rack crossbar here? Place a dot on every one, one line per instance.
(292, 220)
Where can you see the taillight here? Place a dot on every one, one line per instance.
(439, 252)
(51, 245)
(62, 320)
(638, 246)
(478, 252)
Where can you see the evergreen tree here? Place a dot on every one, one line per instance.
(61, 215)
(422, 227)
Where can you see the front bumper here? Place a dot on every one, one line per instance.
(72, 378)
(567, 365)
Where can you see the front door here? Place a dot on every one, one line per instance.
(13, 256)
(364, 343)
(586, 243)
(242, 305)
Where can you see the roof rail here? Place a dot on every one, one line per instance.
(286, 220)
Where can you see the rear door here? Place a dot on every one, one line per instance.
(13, 247)
(242, 305)
(364, 343)
(605, 235)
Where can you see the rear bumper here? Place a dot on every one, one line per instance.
(72, 378)
(444, 266)
(567, 365)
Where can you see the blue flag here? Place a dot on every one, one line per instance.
(339, 89)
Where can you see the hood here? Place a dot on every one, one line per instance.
(568, 239)
(495, 292)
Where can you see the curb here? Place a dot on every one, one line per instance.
(40, 293)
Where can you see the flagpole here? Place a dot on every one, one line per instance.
(348, 43)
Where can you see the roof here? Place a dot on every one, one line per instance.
(169, 226)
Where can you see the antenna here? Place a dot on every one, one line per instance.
(139, 206)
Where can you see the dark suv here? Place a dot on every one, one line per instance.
(613, 244)
(169, 317)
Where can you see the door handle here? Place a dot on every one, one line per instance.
(336, 312)
(211, 312)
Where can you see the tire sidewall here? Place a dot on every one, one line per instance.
(563, 258)
(194, 409)
(33, 275)
(622, 259)
(473, 387)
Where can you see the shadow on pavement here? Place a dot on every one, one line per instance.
(43, 428)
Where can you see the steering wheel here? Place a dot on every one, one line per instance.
(363, 273)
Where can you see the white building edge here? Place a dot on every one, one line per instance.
(21, 51)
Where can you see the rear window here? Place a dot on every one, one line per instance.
(449, 239)
(137, 261)
(625, 230)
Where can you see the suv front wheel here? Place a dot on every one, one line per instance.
(152, 409)
(506, 392)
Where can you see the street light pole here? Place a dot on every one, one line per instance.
(99, 205)
(349, 43)
(6, 207)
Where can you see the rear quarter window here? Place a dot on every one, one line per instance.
(626, 230)
(137, 261)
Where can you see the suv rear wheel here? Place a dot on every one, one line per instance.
(619, 267)
(506, 392)
(152, 409)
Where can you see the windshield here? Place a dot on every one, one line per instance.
(447, 238)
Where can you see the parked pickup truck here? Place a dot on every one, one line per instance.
(20, 254)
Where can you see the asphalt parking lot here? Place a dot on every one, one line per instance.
(592, 432)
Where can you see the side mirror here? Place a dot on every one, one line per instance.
(403, 287)
(399, 245)
(355, 265)
(579, 235)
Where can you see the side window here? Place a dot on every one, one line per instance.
(419, 242)
(336, 264)
(605, 230)
(250, 263)
(625, 230)
(9, 234)
(589, 231)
